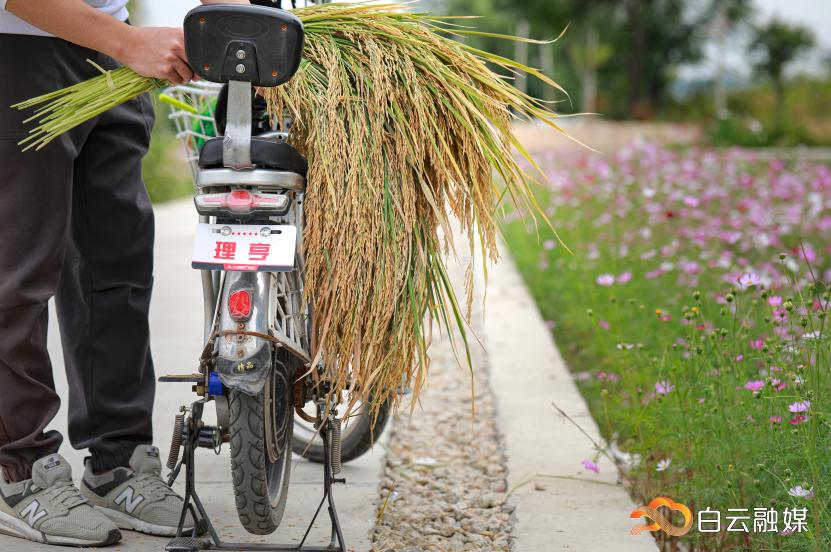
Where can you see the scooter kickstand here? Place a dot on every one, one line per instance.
(211, 541)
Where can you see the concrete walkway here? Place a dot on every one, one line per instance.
(570, 508)
(176, 325)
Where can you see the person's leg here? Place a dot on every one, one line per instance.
(104, 293)
(35, 190)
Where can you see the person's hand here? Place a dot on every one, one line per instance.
(157, 52)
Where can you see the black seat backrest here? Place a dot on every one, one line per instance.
(239, 42)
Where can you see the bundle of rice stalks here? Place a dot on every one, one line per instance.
(403, 127)
(64, 109)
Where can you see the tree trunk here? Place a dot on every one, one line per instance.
(521, 52)
(547, 63)
(779, 92)
(720, 93)
(589, 92)
(637, 54)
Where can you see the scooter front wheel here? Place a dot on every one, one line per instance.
(261, 435)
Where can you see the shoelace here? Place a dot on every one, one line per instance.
(65, 493)
(153, 483)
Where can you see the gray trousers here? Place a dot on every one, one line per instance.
(76, 224)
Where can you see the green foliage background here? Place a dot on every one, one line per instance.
(166, 175)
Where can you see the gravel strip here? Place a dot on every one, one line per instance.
(444, 482)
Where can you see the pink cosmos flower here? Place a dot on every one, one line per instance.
(548, 245)
(757, 344)
(783, 333)
(754, 385)
(624, 277)
(690, 267)
(739, 358)
(799, 406)
(590, 466)
(798, 419)
(663, 465)
(605, 280)
(663, 387)
(775, 301)
(775, 419)
(604, 324)
(777, 384)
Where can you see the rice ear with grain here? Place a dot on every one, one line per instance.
(404, 128)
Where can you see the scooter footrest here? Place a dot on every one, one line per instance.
(187, 544)
(182, 378)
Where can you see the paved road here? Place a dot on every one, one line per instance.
(176, 325)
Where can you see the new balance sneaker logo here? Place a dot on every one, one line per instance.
(51, 462)
(129, 499)
(31, 514)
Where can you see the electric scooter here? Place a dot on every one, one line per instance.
(256, 366)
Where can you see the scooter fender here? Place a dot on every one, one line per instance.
(244, 361)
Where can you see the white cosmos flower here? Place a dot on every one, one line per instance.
(749, 279)
(801, 492)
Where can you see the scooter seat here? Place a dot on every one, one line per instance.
(266, 154)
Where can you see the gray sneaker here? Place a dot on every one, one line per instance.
(137, 498)
(49, 508)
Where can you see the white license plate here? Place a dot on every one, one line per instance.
(245, 247)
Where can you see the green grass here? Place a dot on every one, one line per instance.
(166, 174)
(673, 231)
